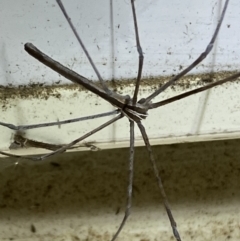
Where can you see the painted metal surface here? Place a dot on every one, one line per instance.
(172, 35)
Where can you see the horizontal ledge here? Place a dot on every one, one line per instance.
(138, 143)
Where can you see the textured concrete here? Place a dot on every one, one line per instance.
(81, 196)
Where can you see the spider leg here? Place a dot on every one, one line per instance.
(59, 2)
(20, 141)
(17, 156)
(27, 127)
(195, 63)
(130, 182)
(114, 99)
(160, 185)
(140, 54)
(65, 147)
(80, 138)
(192, 92)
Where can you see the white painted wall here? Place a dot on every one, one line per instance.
(173, 33)
(180, 28)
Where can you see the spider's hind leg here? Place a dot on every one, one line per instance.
(159, 180)
(130, 182)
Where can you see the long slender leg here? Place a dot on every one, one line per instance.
(27, 127)
(21, 141)
(140, 53)
(160, 185)
(83, 46)
(81, 138)
(130, 182)
(192, 92)
(62, 149)
(17, 156)
(117, 100)
(195, 63)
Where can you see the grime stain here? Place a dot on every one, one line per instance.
(41, 91)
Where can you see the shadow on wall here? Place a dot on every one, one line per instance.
(202, 181)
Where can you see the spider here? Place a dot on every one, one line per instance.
(132, 108)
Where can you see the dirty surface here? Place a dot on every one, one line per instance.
(40, 91)
(82, 196)
(211, 114)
